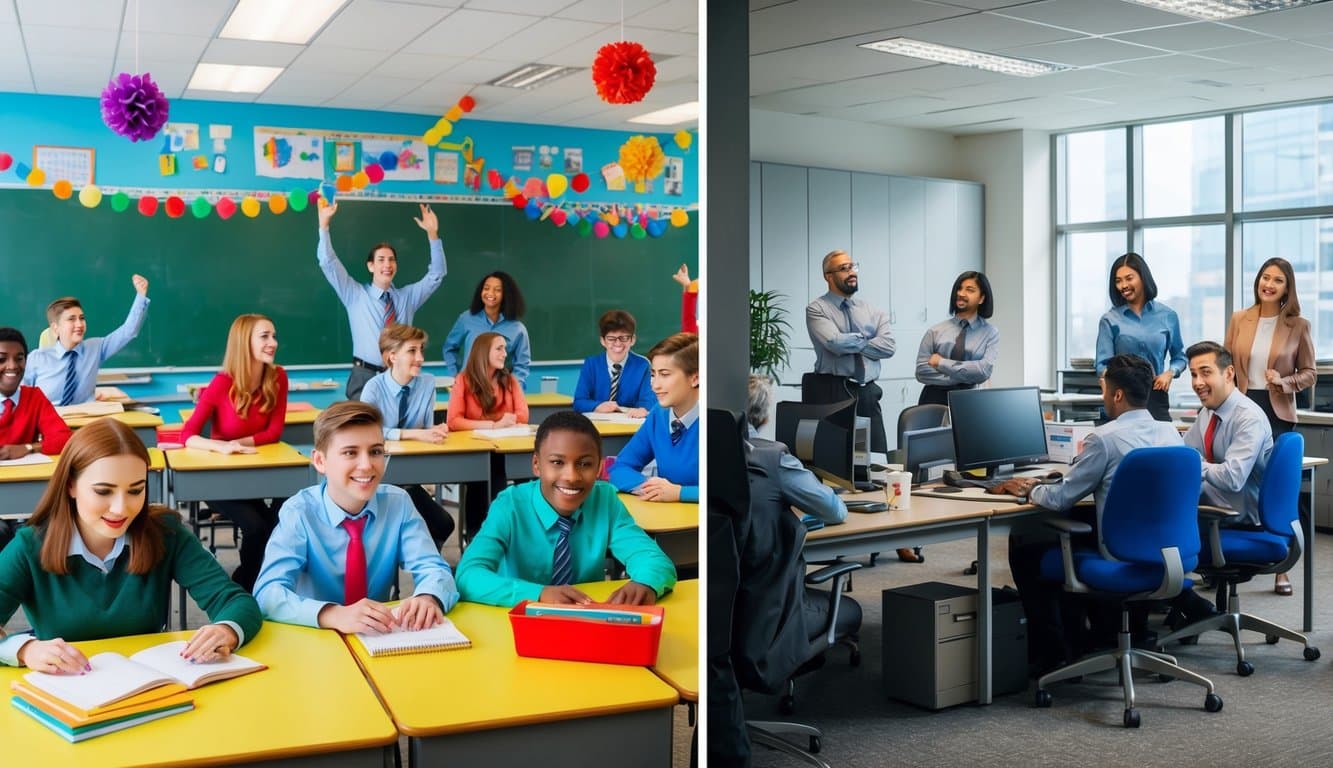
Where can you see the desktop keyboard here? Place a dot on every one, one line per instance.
(960, 480)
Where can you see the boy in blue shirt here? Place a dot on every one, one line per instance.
(539, 538)
(618, 378)
(670, 434)
(337, 548)
(67, 370)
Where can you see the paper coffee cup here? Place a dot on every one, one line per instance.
(898, 488)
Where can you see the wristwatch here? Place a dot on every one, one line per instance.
(28, 446)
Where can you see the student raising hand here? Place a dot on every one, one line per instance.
(428, 222)
(326, 213)
(140, 284)
(682, 276)
(633, 593)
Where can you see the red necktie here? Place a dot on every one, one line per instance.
(354, 582)
(9, 410)
(1208, 439)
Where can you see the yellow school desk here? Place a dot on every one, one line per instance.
(486, 706)
(276, 470)
(673, 525)
(144, 424)
(517, 451)
(678, 655)
(22, 486)
(311, 707)
(298, 426)
(462, 457)
(540, 405)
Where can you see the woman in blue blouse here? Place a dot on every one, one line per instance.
(1137, 324)
(670, 434)
(497, 306)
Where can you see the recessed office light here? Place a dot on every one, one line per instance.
(531, 76)
(681, 113)
(232, 78)
(947, 54)
(279, 21)
(1218, 10)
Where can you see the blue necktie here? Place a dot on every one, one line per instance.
(562, 565)
(403, 394)
(71, 378)
(677, 430)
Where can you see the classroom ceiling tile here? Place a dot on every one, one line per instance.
(162, 46)
(179, 17)
(378, 87)
(529, 7)
(1198, 36)
(81, 14)
(378, 25)
(7, 14)
(678, 15)
(1084, 52)
(307, 88)
(69, 75)
(606, 11)
(220, 96)
(678, 68)
(422, 65)
(482, 70)
(467, 32)
(543, 38)
(1093, 17)
(61, 41)
(251, 53)
(784, 25)
(328, 58)
(170, 75)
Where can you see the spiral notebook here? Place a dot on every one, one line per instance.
(441, 637)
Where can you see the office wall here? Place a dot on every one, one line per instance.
(823, 143)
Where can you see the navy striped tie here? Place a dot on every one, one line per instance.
(71, 378)
(677, 430)
(562, 565)
(403, 394)
(615, 381)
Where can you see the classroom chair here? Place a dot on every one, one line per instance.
(1233, 557)
(1147, 540)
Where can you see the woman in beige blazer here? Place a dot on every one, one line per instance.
(1273, 352)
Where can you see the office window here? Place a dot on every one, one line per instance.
(1287, 158)
(1090, 255)
(1189, 265)
(1183, 168)
(1094, 176)
(1306, 243)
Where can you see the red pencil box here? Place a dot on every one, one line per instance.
(553, 637)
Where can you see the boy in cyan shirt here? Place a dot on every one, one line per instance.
(539, 538)
(337, 548)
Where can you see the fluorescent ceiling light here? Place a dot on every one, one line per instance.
(232, 78)
(681, 113)
(279, 21)
(1218, 10)
(530, 76)
(947, 54)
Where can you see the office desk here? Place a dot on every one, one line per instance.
(517, 451)
(1308, 464)
(540, 405)
(22, 486)
(144, 424)
(310, 708)
(486, 706)
(674, 526)
(298, 426)
(930, 520)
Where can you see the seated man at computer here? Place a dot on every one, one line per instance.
(1055, 619)
(771, 458)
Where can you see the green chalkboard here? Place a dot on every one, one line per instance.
(203, 273)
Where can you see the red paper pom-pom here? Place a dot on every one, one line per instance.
(374, 172)
(623, 72)
(494, 178)
(519, 201)
(467, 103)
(148, 205)
(175, 207)
(579, 183)
(6, 160)
(226, 207)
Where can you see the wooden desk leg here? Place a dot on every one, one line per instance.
(983, 614)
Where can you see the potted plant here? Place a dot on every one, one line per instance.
(769, 330)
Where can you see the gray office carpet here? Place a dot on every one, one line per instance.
(1279, 716)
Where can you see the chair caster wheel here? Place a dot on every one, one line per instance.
(1131, 718)
(1043, 699)
(787, 705)
(1212, 703)
(1271, 639)
(1165, 678)
(815, 745)
(873, 557)
(1244, 668)
(855, 658)
(971, 570)
(917, 552)
(1311, 653)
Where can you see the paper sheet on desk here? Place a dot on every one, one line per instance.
(32, 458)
(614, 418)
(90, 408)
(522, 430)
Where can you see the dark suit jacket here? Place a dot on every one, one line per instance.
(1291, 355)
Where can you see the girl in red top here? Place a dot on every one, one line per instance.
(485, 396)
(247, 406)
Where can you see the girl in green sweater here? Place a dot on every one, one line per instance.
(95, 562)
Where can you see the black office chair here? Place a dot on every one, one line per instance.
(770, 640)
(922, 417)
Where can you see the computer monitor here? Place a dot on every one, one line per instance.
(926, 448)
(993, 428)
(822, 435)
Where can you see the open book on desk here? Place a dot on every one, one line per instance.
(114, 678)
(90, 408)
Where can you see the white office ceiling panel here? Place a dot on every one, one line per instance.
(56, 42)
(986, 32)
(203, 18)
(1282, 54)
(765, 80)
(1093, 17)
(466, 32)
(7, 16)
(251, 52)
(1199, 36)
(606, 11)
(821, 98)
(676, 15)
(881, 111)
(378, 25)
(163, 46)
(805, 22)
(459, 3)
(831, 62)
(1295, 23)
(1168, 65)
(543, 38)
(1084, 52)
(328, 58)
(81, 14)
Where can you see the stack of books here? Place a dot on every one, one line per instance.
(120, 692)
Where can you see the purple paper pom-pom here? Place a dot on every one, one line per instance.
(133, 106)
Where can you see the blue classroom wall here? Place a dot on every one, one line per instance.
(27, 120)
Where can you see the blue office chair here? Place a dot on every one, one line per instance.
(1234, 557)
(1147, 540)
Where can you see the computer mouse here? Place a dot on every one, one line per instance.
(1054, 476)
(948, 489)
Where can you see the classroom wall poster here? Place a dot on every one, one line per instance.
(180, 137)
(344, 156)
(523, 158)
(284, 154)
(573, 160)
(411, 153)
(546, 155)
(673, 176)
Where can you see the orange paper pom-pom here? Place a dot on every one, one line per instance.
(641, 158)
